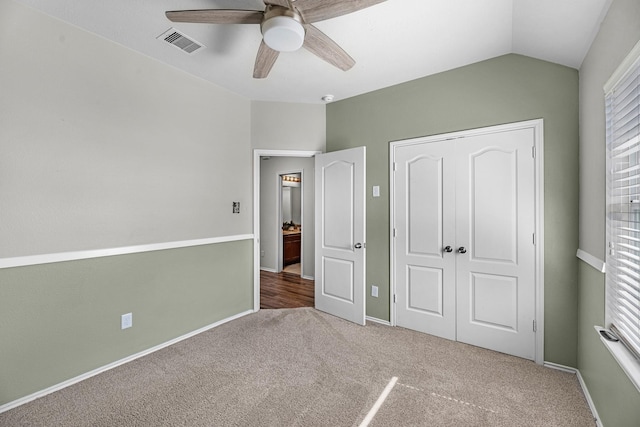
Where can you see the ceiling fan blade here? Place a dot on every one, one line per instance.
(216, 16)
(319, 10)
(283, 3)
(318, 43)
(264, 61)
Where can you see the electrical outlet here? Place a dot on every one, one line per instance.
(126, 321)
(376, 191)
(374, 291)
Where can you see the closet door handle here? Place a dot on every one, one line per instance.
(358, 246)
(462, 250)
(448, 249)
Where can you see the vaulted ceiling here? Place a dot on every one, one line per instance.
(392, 42)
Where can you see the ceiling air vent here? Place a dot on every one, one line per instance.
(179, 40)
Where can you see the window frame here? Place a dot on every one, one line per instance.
(621, 353)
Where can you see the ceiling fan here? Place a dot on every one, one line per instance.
(286, 27)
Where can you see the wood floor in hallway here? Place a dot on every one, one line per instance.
(285, 290)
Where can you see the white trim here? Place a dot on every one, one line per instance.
(583, 385)
(593, 261)
(629, 364)
(392, 221)
(590, 402)
(376, 320)
(623, 69)
(86, 375)
(99, 253)
(538, 126)
(257, 153)
(308, 277)
(270, 270)
(559, 367)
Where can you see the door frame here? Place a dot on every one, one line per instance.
(538, 153)
(257, 153)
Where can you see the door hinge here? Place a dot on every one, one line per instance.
(394, 232)
(535, 327)
(394, 166)
(533, 151)
(394, 298)
(534, 238)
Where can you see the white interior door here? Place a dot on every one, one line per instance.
(340, 234)
(496, 224)
(464, 212)
(425, 277)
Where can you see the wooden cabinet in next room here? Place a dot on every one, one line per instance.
(291, 250)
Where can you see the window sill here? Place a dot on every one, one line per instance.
(629, 364)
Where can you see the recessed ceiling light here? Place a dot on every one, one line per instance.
(327, 98)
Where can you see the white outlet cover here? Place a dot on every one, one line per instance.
(126, 321)
(374, 291)
(376, 191)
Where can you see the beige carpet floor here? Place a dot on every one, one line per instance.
(302, 367)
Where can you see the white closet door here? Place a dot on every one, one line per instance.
(425, 273)
(475, 196)
(496, 224)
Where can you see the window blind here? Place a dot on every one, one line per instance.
(623, 208)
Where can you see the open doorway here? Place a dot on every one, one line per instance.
(275, 218)
(291, 209)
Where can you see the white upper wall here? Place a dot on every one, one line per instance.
(102, 147)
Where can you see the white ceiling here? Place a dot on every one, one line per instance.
(392, 42)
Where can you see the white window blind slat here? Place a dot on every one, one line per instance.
(630, 142)
(623, 208)
(623, 237)
(627, 246)
(627, 283)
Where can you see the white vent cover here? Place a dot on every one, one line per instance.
(179, 40)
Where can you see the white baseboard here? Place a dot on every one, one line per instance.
(583, 385)
(71, 381)
(559, 367)
(376, 320)
(309, 277)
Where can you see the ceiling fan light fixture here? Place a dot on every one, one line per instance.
(283, 33)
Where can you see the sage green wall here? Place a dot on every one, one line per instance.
(615, 397)
(501, 90)
(61, 320)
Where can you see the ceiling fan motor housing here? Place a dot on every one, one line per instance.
(282, 29)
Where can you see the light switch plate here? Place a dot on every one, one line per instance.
(126, 321)
(374, 291)
(376, 191)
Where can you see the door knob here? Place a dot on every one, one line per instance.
(462, 250)
(448, 249)
(358, 246)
